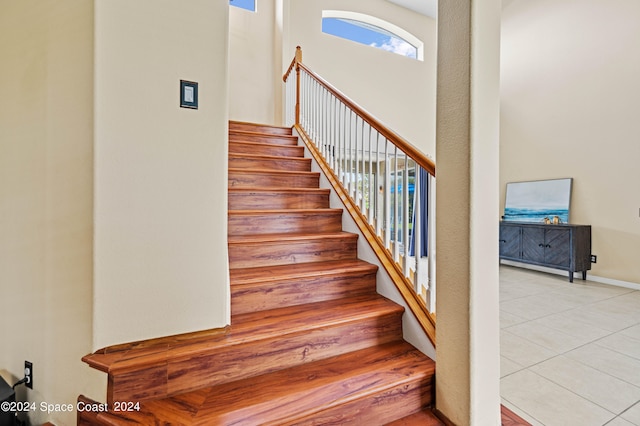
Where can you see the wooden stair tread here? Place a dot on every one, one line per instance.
(272, 190)
(286, 395)
(263, 144)
(284, 211)
(261, 212)
(299, 270)
(268, 157)
(238, 134)
(258, 133)
(264, 238)
(251, 326)
(274, 172)
(264, 128)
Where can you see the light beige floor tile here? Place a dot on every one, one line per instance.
(538, 306)
(549, 403)
(608, 361)
(516, 290)
(621, 306)
(569, 324)
(619, 421)
(597, 316)
(593, 291)
(621, 343)
(508, 367)
(550, 338)
(632, 414)
(508, 319)
(600, 388)
(522, 351)
(633, 332)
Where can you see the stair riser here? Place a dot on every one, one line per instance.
(286, 252)
(248, 127)
(376, 409)
(265, 149)
(243, 179)
(263, 138)
(284, 163)
(247, 201)
(231, 363)
(252, 224)
(297, 291)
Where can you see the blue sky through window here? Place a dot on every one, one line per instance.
(244, 4)
(370, 35)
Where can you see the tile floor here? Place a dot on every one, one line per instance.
(570, 353)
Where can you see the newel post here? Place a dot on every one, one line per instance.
(298, 59)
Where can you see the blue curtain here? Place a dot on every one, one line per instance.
(422, 197)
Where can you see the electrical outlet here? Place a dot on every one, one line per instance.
(594, 258)
(28, 373)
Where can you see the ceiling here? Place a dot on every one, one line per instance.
(425, 7)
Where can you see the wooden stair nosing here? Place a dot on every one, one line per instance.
(264, 128)
(293, 394)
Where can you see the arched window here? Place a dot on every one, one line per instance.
(372, 31)
(244, 4)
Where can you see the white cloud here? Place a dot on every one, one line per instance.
(398, 46)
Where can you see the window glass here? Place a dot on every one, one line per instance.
(370, 31)
(368, 34)
(244, 4)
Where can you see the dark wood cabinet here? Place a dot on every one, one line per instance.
(565, 247)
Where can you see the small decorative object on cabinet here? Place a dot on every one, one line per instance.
(563, 246)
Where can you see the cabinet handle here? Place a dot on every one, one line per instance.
(540, 245)
(548, 246)
(503, 241)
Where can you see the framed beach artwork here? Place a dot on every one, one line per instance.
(535, 201)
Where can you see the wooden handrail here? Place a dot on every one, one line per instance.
(399, 276)
(297, 59)
(405, 146)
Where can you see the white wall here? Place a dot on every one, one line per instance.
(399, 91)
(570, 93)
(254, 80)
(160, 171)
(46, 200)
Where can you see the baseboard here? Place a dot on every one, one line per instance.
(577, 275)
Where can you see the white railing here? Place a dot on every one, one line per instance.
(391, 183)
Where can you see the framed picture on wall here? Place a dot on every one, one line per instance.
(535, 201)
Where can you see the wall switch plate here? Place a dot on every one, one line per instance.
(188, 94)
(594, 258)
(28, 373)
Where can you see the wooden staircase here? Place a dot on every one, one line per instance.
(310, 341)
